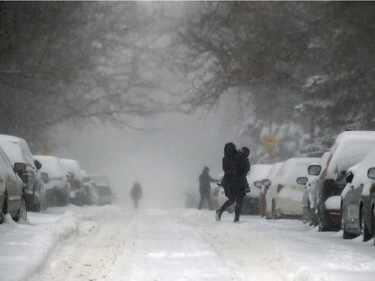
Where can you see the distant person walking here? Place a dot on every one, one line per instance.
(236, 165)
(136, 194)
(205, 188)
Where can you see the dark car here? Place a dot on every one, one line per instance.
(350, 148)
(18, 151)
(12, 200)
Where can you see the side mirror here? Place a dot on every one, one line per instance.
(314, 170)
(266, 182)
(258, 184)
(19, 167)
(371, 173)
(44, 177)
(86, 179)
(37, 164)
(69, 176)
(302, 180)
(349, 177)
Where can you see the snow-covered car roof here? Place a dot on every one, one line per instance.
(72, 166)
(258, 172)
(100, 179)
(294, 168)
(360, 172)
(273, 171)
(51, 165)
(349, 148)
(17, 149)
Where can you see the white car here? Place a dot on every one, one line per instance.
(266, 182)
(91, 192)
(55, 180)
(310, 210)
(258, 172)
(284, 196)
(12, 200)
(356, 210)
(103, 187)
(18, 151)
(75, 178)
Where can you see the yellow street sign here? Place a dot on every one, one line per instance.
(270, 141)
(46, 149)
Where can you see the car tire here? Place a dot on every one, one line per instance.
(321, 224)
(363, 227)
(3, 211)
(36, 207)
(22, 212)
(274, 214)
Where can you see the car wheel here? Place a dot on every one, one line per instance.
(363, 227)
(346, 235)
(3, 211)
(321, 224)
(36, 207)
(22, 212)
(274, 214)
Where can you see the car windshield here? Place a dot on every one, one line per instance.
(101, 180)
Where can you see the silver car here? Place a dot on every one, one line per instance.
(12, 200)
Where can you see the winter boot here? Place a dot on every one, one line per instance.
(237, 215)
(218, 215)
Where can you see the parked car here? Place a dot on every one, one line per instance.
(356, 218)
(55, 180)
(284, 196)
(91, 194)
(12, 200)
(18, 151)
(257, 173)
(75, 179)
(309, 199)
(266, 182)
(104, 190)
(350, 148)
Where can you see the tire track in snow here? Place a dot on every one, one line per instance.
(255, 255)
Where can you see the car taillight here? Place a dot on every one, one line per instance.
(334, 212)
(279, 187)
(76, 184)
(372, 189)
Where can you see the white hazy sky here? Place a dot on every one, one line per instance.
(166, 162)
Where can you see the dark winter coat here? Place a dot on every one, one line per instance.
(229, 163)
(136, 192)
(204, 183)
(243, 168)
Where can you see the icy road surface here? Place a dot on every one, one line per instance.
(113, 244)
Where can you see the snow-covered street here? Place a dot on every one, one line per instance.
(112, 243)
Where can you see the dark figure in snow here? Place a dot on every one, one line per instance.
(243, 168)
(136, 194)
(205, 188)
(236, 165)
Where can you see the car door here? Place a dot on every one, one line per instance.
(12, 183)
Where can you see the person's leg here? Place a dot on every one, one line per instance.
(238, 207)
(200, 205)
(226, 204)
(208, 197)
